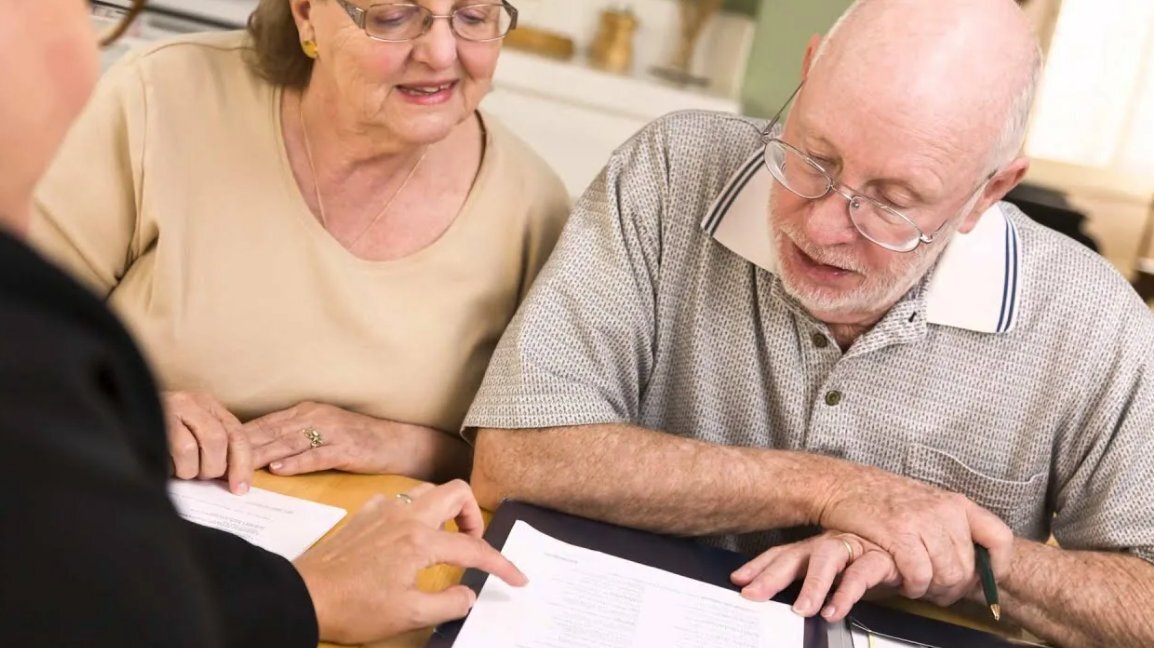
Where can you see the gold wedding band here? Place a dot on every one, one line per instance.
(849, 549)
(316, 439)
(405, 499)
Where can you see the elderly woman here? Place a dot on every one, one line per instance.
(311, 228)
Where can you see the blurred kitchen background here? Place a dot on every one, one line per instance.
(580, 76)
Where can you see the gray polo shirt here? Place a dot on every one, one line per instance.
(1018, 372)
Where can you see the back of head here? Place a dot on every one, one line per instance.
(47, 68)
(964, 70)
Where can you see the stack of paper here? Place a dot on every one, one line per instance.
(281, 524)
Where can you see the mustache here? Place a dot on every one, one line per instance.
(845, 262)
(791, 232)
(836, 258)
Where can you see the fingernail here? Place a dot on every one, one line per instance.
(829, 611)
(242, 488)
(741, 573)
(800, 606)
(276, 465)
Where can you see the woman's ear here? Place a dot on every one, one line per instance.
(302, 14)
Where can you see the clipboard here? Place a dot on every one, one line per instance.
(691, 559)
(680, 556)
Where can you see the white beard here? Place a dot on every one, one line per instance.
(879, 290)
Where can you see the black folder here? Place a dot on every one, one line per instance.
(706, 564)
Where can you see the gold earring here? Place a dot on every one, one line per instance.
(310, 48)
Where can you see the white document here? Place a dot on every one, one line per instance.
(281, 524)
(578, 598)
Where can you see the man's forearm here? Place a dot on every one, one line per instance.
(651, 480)
(1080, 598)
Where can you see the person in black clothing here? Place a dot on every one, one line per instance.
(92, 551)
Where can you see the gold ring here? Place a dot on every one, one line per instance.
(404, 497)
(849, 549)
(314, 436)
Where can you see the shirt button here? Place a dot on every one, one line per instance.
(832, 398)
(820, 341)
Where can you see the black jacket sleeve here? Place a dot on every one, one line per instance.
(92, 551)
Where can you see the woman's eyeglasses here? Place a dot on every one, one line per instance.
(404, 22)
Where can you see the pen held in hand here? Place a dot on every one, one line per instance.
(986, 575)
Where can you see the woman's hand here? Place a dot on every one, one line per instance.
(310, 437)
(820, 559)
(206, 441)
(363, 579)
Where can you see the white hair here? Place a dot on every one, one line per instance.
(1012, 137)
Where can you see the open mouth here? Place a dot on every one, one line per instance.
(427, 90)
(824, 270)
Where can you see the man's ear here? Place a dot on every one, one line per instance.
(810, 51)
(996, 189)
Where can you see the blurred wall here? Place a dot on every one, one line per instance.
(783, 28)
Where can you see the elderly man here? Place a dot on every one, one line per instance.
(832, 321)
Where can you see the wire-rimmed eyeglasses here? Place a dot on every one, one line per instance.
(404, 22)
(805, 177)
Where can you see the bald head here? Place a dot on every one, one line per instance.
(963, 70)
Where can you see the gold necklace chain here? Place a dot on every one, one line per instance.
(316, 183)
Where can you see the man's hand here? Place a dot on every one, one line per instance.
(206, 441)
(929, 532)
(862, 565)
(363, 580)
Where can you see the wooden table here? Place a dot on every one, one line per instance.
(350, 492)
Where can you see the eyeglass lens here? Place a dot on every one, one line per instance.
(402, 22)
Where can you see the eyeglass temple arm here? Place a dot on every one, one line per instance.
(780, 111)
(357, 14)
(929, 238)
(512, 14)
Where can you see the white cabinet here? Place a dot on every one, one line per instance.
(229, 12)
(573, 139)
(574, 116)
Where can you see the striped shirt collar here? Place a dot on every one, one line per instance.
(975, 285)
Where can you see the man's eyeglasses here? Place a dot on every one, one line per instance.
(112, 19)
(804, 176)
(400, 23)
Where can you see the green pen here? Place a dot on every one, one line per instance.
(986, 574)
